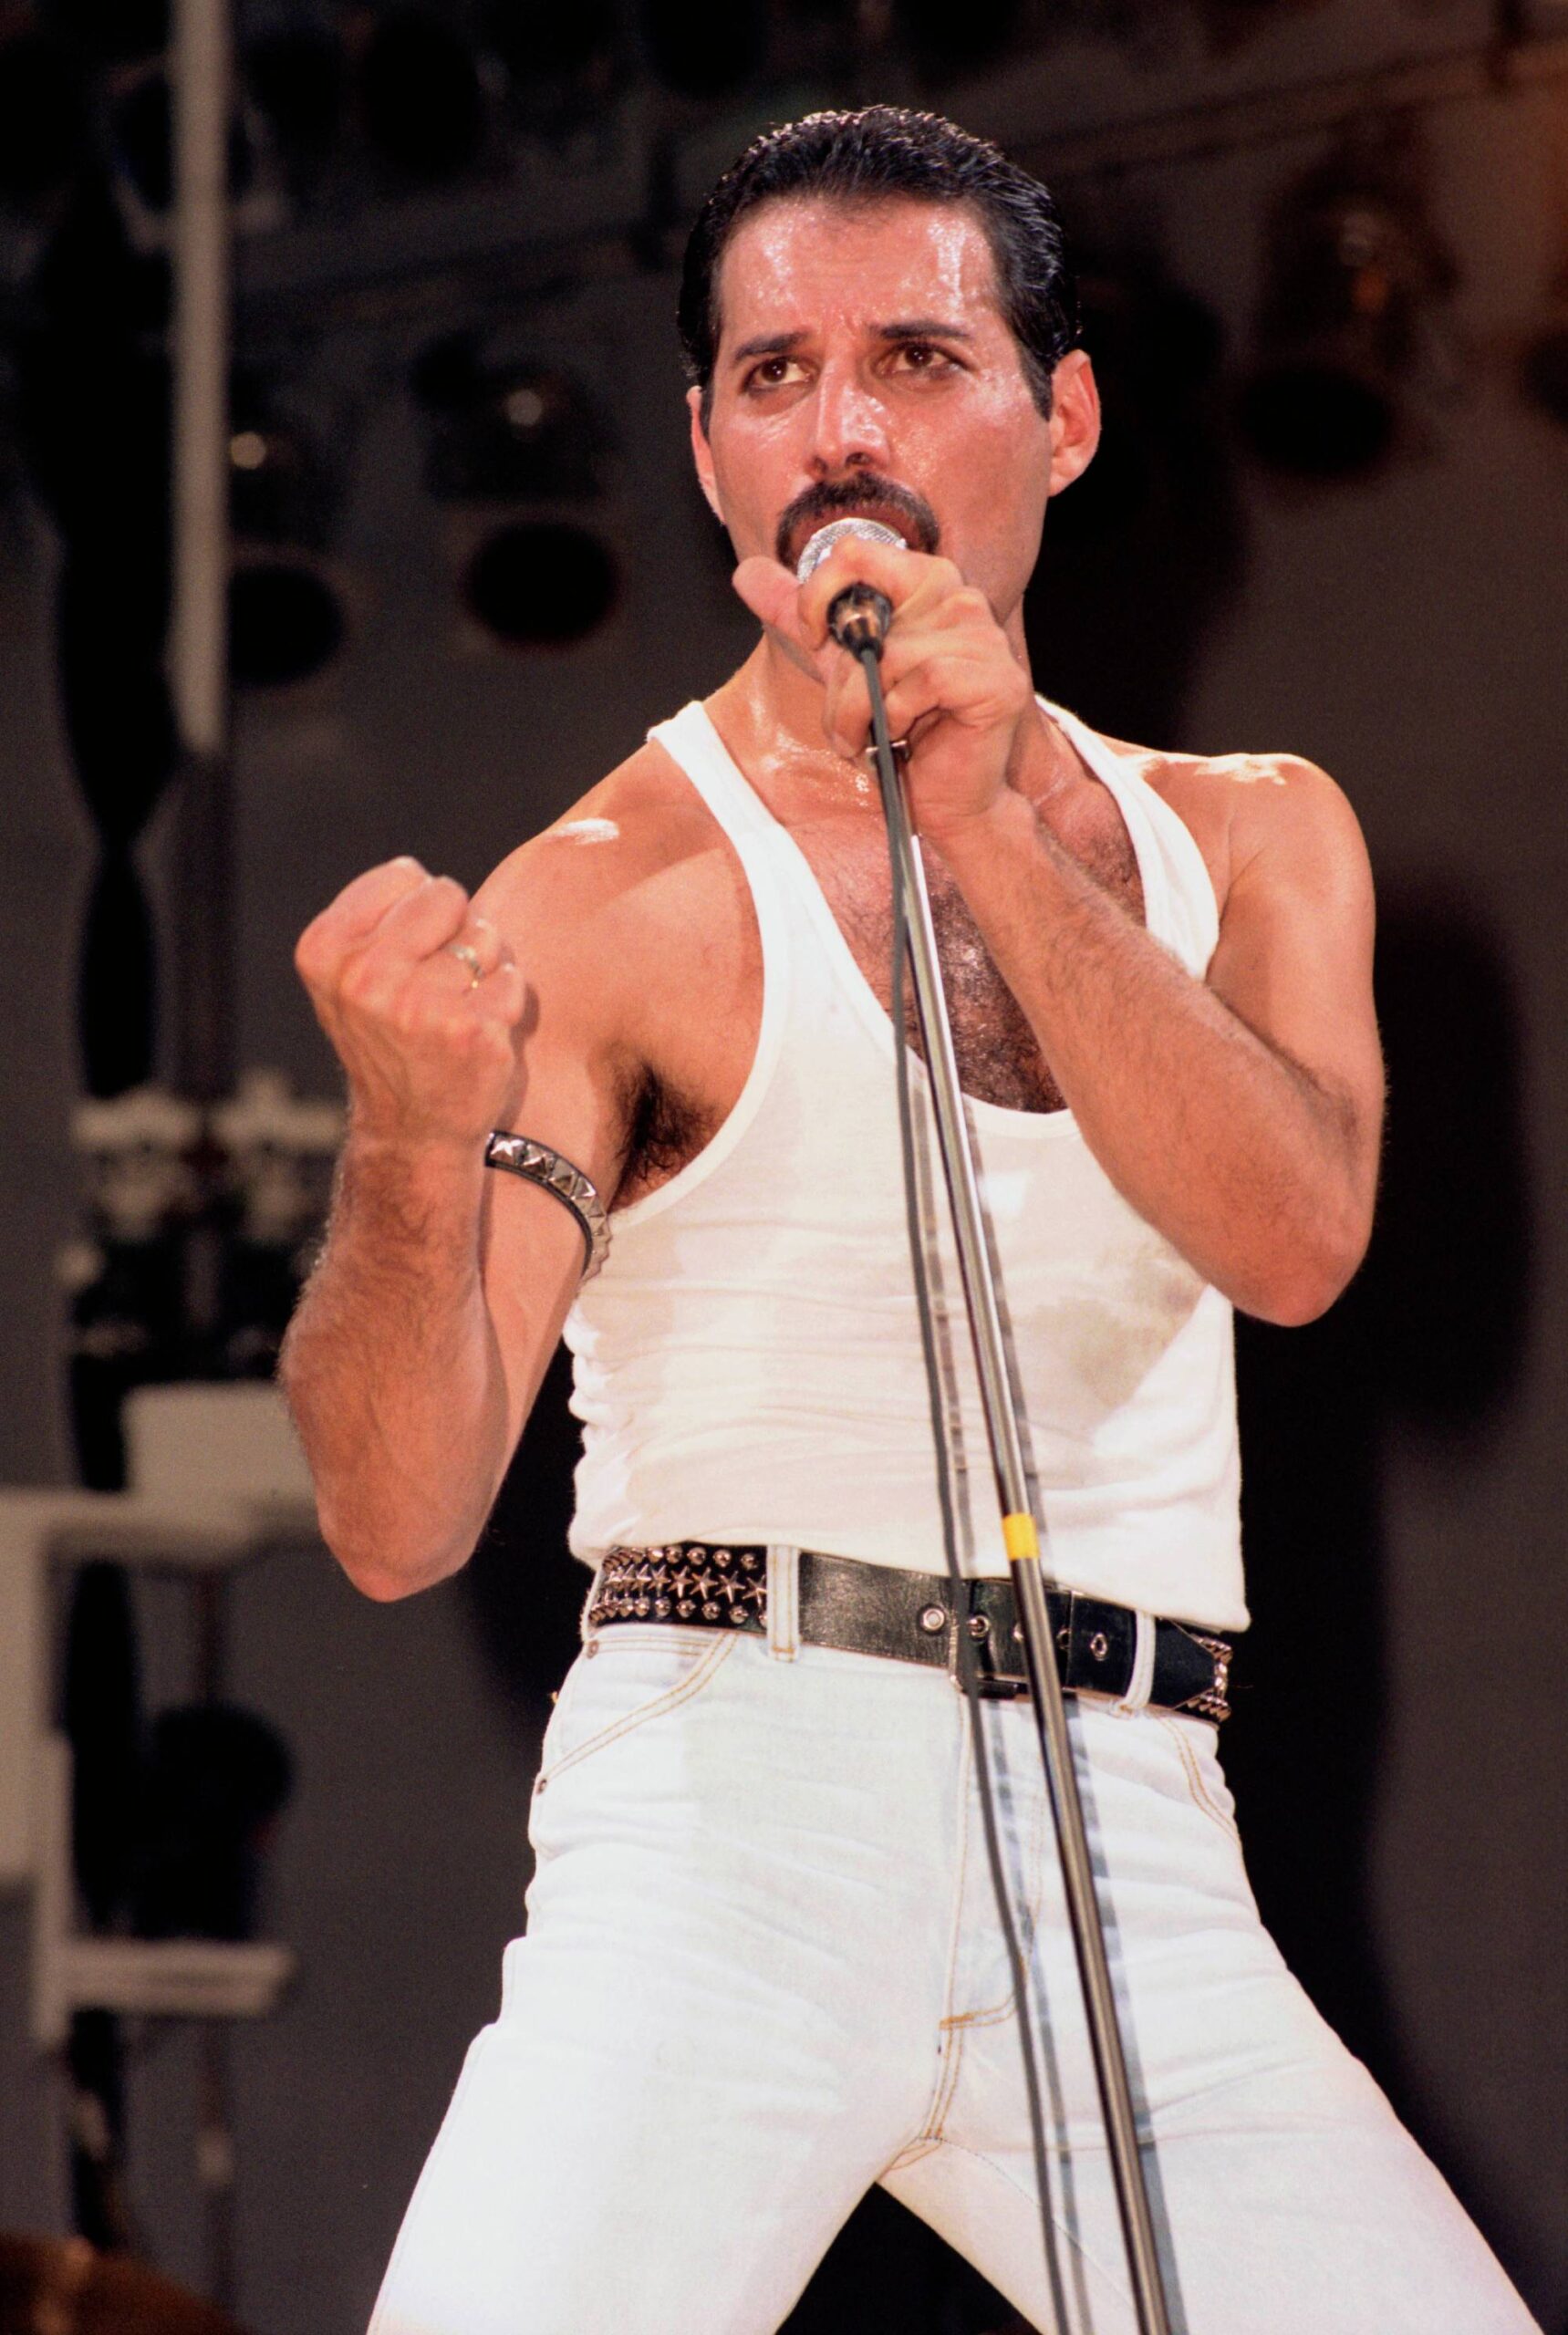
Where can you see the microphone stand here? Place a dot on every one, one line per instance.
(858, 624)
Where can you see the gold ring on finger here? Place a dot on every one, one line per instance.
(469, 957)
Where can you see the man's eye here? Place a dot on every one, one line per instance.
(772, 373)
(921, 357)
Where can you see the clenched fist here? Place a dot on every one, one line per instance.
(422, 1001)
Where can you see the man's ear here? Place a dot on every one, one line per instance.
(1075, 419)
(702, 454)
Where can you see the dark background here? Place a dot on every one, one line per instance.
(1397, 1750)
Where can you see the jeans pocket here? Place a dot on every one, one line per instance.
(1196, 1742)
(625, 1678)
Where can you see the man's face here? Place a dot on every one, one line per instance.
(862, 349)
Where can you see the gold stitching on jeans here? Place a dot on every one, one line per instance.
(938, 2115)
(949, 2039)
(912, 2155)
(998, 2012)
(1203, 1797)
(994, 2016)
(711, 1658)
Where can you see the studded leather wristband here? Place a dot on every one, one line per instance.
(537, 1164)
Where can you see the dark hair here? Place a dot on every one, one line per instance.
(883, 152)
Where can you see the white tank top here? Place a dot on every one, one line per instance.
(747, 1366)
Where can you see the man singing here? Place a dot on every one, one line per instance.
(764, 1966)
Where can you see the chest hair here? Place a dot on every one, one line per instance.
(997, 1058)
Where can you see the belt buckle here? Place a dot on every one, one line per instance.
(991, 1685)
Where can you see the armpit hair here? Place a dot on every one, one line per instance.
(663, 1132)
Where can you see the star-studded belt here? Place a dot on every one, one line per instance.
(900, 1616)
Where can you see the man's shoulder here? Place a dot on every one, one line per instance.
(1222, 781)
(615, 901)
(638, 827)
(1244, 808)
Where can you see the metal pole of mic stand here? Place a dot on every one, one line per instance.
(1020, 1536)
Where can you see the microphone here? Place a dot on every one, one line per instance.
(859, 616)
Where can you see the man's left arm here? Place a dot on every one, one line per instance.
(1240, 1117)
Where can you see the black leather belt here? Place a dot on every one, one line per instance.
(909, 1617)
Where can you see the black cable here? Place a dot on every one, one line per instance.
(870, 656)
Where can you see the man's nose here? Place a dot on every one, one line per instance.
(849, 425)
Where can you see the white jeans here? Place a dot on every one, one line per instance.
(763, 1970)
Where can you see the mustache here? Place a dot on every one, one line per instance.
(866, 491)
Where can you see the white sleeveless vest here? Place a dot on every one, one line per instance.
(747, 1366)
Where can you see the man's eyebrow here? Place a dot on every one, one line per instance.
(922, 328)
(780, 344)
(770, 344)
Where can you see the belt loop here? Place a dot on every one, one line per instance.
(783, 1601)
(585, 1630)
(1141, 1682)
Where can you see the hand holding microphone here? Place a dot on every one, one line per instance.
(953, 685)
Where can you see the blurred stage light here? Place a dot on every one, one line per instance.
(141, 134)
(704, 48)
(279, 488)
(285, 623)
(422, 100)
(43, 116)
(561, 62)
(541, 584)
(142, 120)
(299, 79)
(271, 483)
(1354, 269)
(286, 619)
(504, 433)
(1156, 351)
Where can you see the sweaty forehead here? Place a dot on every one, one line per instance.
(799, 261)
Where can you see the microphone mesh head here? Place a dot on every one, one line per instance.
(871, 531)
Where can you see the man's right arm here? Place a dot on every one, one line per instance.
(420, 1340)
